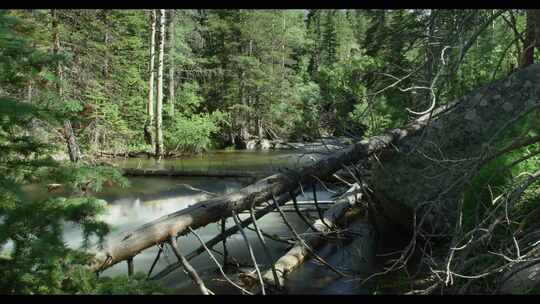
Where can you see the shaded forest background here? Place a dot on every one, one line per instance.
(233, 75)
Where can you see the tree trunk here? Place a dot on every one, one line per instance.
(106, 42)
(71, 141)
(171, 61)
(260, 130)
(73, 148)
(194, 173)
(532, 38)
(149, 126)
(425, 175)
(29, 91)
(159, 102)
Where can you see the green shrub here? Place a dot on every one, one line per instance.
(191, 134)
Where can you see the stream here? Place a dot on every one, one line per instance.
(148, 198)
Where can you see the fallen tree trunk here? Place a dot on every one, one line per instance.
(420, 182)
(193, 173)
(135, 154)
(212, 210)
(340, 211)
(423, 178)
(425, 175)
(281, 200)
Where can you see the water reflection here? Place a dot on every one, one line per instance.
(269, 160)
(148, 198)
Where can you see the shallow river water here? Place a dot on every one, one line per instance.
(148, 198)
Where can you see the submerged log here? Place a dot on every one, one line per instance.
(193, 173)
(139, 154)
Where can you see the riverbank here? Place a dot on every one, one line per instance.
(322, 146)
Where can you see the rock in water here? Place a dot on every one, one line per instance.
(265, 144)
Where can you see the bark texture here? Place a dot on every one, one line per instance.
(172, 20)
(159, 102)
(148, 128)
(426, 173)
(532, 38)
(294, 258)
(69, 135)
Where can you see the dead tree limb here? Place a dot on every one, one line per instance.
(246, 240)
(260, 213)
(160, 251)
(263, 244)
(130, 266)
(319, 210)
(225, 251)
(217, 263)
(315, 237)
(189, 269)
(300, 214)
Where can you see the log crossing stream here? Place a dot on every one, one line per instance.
(151, 197)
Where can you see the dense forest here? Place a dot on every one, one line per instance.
(434, 113)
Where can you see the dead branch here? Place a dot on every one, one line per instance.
(246, 240)
(282, 199)
(217, 263)
(189, 269)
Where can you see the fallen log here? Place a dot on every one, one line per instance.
(415, 174)
(340, 211)
(124, 154)
(214, 209)
(193, 173)
(420, 183)
(282, 199)
(406, 180)
(424, 177)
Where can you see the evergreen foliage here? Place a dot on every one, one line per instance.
(36, 258)
(238, 75)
